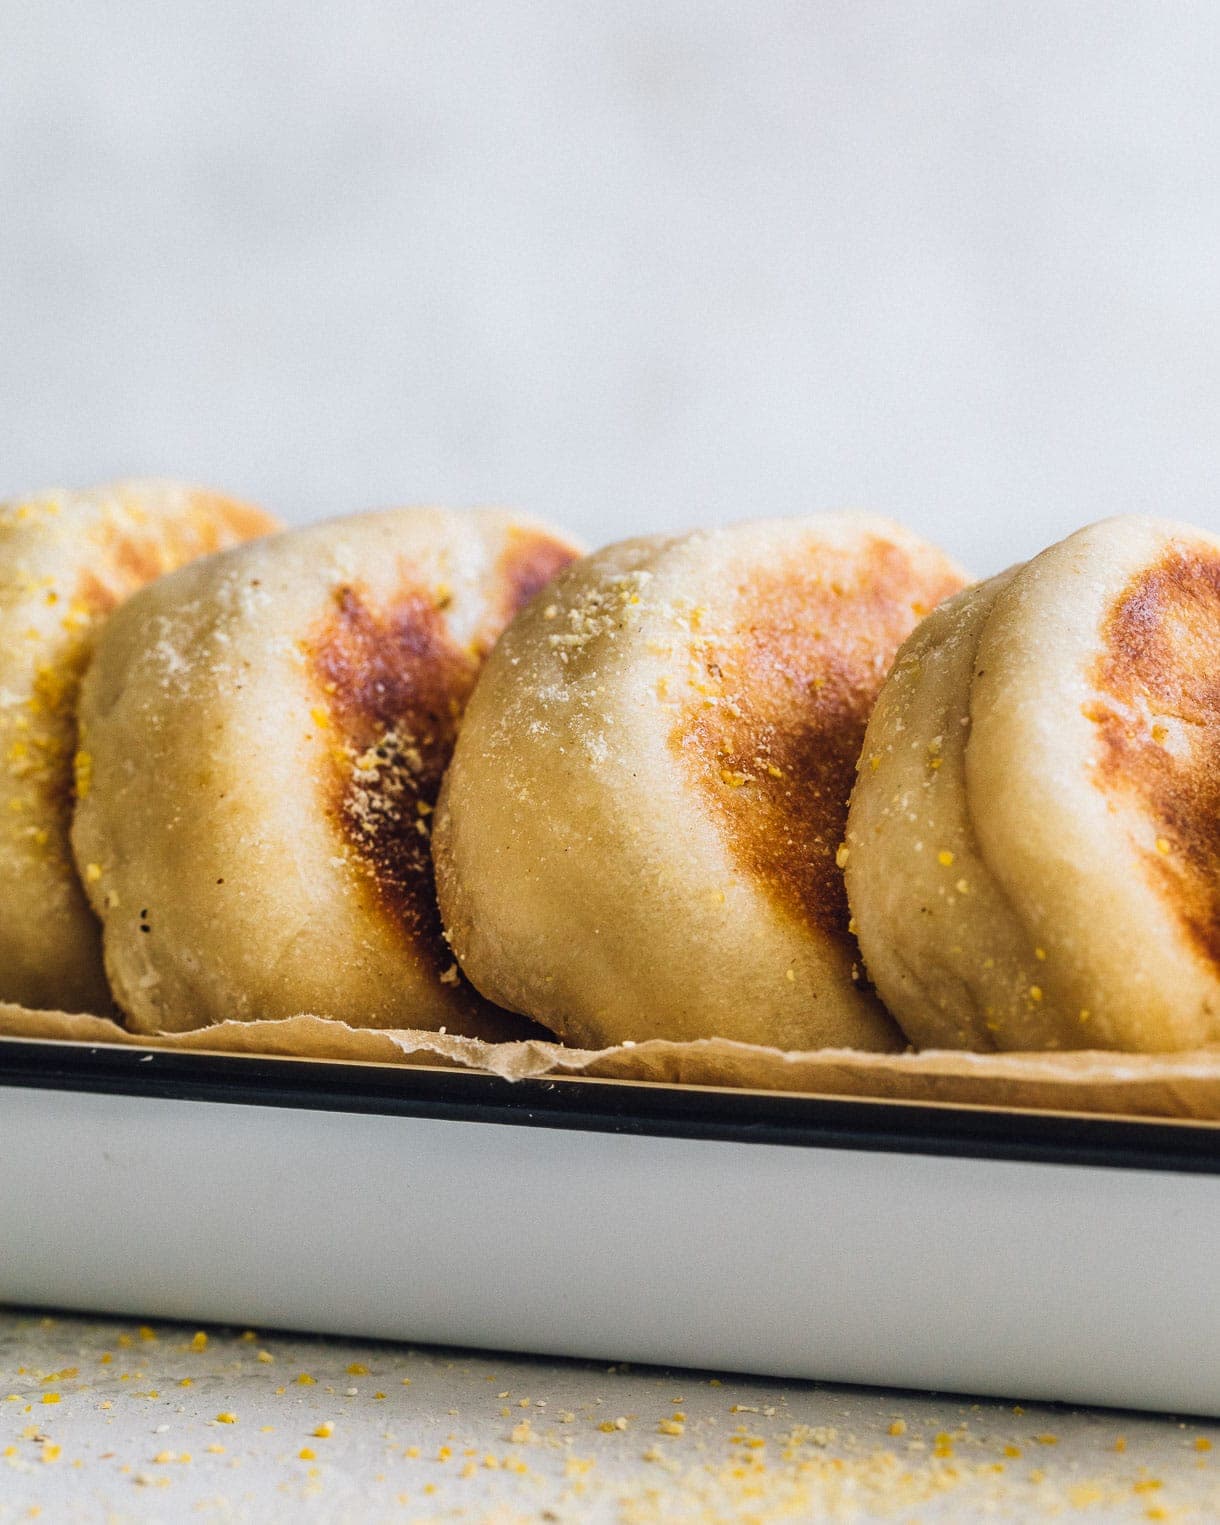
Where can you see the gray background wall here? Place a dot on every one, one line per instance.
(629, 265)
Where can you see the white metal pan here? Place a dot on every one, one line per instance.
(1036, 1255)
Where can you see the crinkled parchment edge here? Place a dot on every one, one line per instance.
(1184, 1086)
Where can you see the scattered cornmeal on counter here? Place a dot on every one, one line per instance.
(67, 559)
(1034, 838)
(267, 732)
(640, 833)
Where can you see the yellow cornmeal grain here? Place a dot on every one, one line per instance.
(82, 765)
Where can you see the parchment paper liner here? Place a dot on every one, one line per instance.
(1185, 1086)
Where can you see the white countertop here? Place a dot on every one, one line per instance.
(105, 1420)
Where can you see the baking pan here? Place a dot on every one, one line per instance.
(1027, 1254)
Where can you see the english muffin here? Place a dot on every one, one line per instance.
(67, 559)
(639, 830)
(265, 734)
(1034, 855)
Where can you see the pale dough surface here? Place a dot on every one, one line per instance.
(266, 733)
(67, 559)
(638, 836)
(1034, 837)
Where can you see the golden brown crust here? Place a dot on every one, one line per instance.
(239, 521)
(129, 558)
(392, 684)
(67, 561)
(1158, 728)
(793, 683)
(528, 562)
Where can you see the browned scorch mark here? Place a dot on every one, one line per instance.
(795, 682)
(126, 556)
(1159, 671)
(395, 683)
(219, 521)
(94, 597)
(125, 559)
(524, 567)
